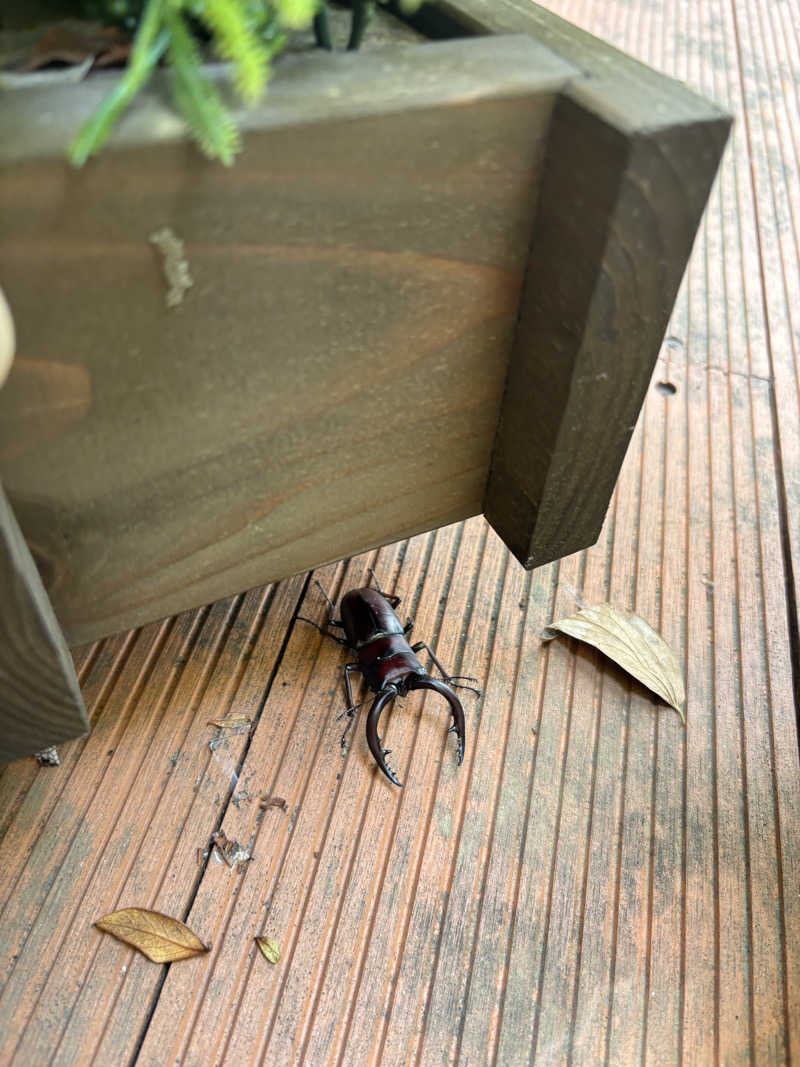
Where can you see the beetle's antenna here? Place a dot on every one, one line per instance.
(321, 588)
(393, 600)
(374, 578)
(331, 609)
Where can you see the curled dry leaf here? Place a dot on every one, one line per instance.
(270, 948)
(159, 937)
(231, 851)
(74, 41)
(48, 757)
(634, 645)
(231, 721)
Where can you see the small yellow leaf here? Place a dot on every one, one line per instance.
(156, 936)
(634, 645)
(270, 948)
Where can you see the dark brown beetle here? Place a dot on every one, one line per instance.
(388, 663)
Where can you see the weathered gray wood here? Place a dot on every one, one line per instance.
(332, 380)
(40, 699)
(609, 247)
(630, 162)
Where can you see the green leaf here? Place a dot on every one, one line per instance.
(196, 98)
(237, 42)
(296, 14)
(148, 47)
(271, 949)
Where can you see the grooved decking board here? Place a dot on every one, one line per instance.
(595, 883)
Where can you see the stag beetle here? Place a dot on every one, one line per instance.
(388, 663)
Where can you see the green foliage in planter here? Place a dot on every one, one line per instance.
(249, 33)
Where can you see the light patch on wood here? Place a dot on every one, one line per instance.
(175, 264)
(48, 757)
(7, 340)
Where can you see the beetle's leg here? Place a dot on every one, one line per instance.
(409, 626)
(351, 709)
(331, 620)
(325, 633)
(393, 600)
(348, 667)
(449, 678)
(375, 745)
(331, 608)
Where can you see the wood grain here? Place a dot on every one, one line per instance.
(333, 378)
(40, 699)
(594, 884)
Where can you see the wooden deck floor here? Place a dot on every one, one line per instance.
(595, 883)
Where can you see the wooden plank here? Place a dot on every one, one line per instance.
(160, 459)
(769, 44)
(728, 969)
(609, 247)
(40, 699)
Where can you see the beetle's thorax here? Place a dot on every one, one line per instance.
(376, 634)
(386, 660)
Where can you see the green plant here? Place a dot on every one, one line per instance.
(246, 32)
(249, 33)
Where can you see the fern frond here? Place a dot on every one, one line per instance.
(297, 14)
(149, 45)
(236, 41)
(196, 98)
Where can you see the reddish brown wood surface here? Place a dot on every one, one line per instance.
(594, 884)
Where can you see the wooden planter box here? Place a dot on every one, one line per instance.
(435, 283)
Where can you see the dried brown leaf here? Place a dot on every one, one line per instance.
(231, 851)
(634, 645)
(159, 937)
(72, 41)
(268, 801)
(270, 948)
